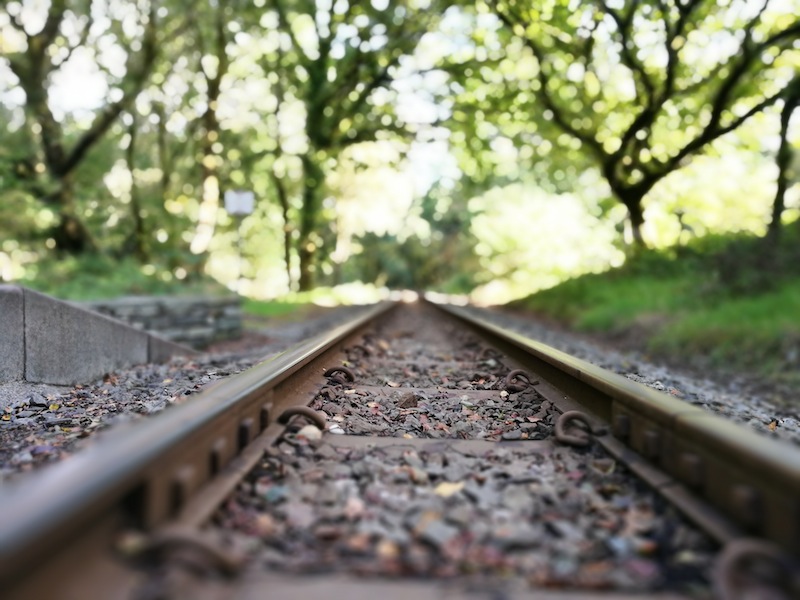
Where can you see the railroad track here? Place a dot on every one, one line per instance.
(462, 456)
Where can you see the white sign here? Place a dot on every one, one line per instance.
(239, 202)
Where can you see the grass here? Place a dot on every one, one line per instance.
(720, 301)
(94, 277)
(607, 303)
(269, 308)
(761, 332)
(97, 277)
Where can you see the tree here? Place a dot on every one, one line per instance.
(67, 27)
(340, 62)
(443, 260)
(644, 86)
(210, 32)
(783, 160)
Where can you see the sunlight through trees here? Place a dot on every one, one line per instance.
(496, 146)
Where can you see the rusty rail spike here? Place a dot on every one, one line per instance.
(340, 375)
(578, 437)
(196, 547)
(517, 381)
(737, 564)
(315, 417)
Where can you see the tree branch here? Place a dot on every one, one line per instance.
(286, 26)
(644, 82)
(710, 134)
(145, 58)
(544, 80)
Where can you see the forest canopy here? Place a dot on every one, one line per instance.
(494, 147)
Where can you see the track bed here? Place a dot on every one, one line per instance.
(435, 458)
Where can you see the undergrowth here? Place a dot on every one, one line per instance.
(728, 301)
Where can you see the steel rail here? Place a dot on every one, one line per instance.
(752, 480)
(144, 474)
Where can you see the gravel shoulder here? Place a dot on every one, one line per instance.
(737, 398)
(41, 424)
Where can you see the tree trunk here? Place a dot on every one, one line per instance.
(209, 206)
(305, 282)
(210, 188)
(283, 200)
(636, 218)
(782, 159)
(137, 236)
(70, 233)
(164, 162)
(309, 211)
(632, 199)
(209, 184)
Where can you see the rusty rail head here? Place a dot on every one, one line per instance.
(753, 480)
(137, 463)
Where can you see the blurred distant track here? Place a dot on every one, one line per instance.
(62, 528)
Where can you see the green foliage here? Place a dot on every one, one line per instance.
(444, 260)
(709, 300)
(758, 332)
(609, 301)
(287, 97)
(636, 88)
(95, 276)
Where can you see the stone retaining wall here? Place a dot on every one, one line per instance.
(196, 321)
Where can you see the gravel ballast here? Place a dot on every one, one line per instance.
(449, 470)
(572, 519)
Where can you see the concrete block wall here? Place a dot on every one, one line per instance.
(45, 340)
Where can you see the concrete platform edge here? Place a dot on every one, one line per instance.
(46, 340)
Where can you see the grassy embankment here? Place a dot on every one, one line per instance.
(718, 301)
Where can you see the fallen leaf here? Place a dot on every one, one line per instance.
(773, 426)
(604, 466)
(54, 407)
(447, 488)
(265, 525)
(393, 384)
(407, 401)
(387, 550)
